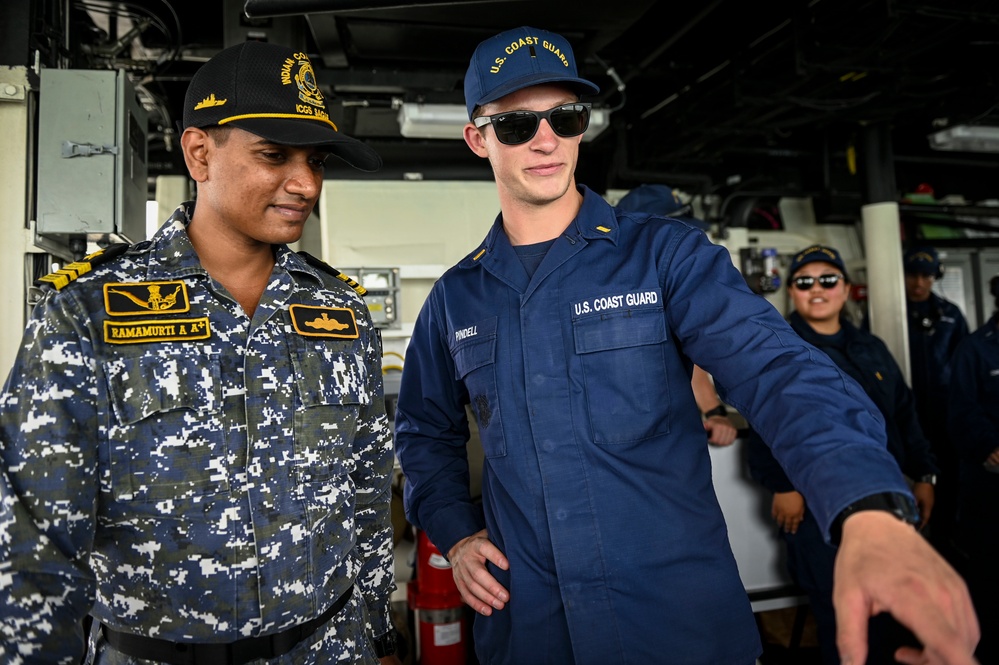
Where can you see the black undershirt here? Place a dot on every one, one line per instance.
(532, 255)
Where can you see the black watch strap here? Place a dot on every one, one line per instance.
(385, 645)
(719, 410)
(900, 505)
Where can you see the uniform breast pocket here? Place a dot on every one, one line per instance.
(167, 434)
(331, 381)
(624, 374)
(475, 365)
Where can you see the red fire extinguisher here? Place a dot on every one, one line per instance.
(439, 610)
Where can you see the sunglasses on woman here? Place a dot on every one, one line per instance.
(515, 127)
(805, 282)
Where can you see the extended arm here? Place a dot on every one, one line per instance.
(830, 440)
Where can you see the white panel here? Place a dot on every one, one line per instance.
(14, 239)
(758, 548)
(423, 227)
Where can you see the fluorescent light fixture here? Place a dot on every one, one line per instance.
(967, 138)
(599, 120)
(432, 121)
(446, 121)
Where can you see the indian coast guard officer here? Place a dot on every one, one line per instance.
(193, 438)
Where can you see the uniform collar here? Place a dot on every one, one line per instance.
(807, 332)
(595, 219)
(169, 253)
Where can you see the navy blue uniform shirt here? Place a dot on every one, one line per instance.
(974, 427)
(597, 479)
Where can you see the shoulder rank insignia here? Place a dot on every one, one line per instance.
(131, 298)
(71, 271)
(330, 322)
(325, 267)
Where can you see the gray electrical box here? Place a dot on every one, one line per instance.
(91, 156)
(382, 297)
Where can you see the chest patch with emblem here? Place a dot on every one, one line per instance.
(133, 298)
(331, 322)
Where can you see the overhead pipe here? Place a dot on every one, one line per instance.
(274, 8)
(620, 169)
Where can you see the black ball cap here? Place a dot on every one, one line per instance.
(271, 91)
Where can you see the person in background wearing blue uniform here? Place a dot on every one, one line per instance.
(193, 437)
(936, 326)
(571, 332)
(974, 429)
(819, 286)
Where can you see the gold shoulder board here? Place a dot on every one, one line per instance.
(325, 267)
(71, 271)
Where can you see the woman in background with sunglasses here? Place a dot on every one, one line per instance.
(819, 288)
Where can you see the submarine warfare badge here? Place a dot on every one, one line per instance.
(330, 322)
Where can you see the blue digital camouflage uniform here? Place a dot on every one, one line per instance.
(188, 474)
(597, 481)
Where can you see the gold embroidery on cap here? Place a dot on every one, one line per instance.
(209, 101)
(282, 115)
(304, 79)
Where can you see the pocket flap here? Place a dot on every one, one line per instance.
(619, 330)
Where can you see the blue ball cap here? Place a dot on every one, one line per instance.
(817, 253)
(922, 261)
(518, 59)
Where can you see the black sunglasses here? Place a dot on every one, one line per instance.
(515, 127)
(806, 282)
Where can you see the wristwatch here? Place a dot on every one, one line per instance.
(719, 410)
(385, 645)
(900, 505)
(930, 478)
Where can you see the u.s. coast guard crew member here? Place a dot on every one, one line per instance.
(570, 331)
(194, 443)
(936, 326)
